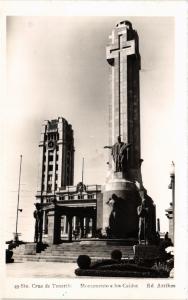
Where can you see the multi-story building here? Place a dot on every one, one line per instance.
(56, 165)
(63, 211)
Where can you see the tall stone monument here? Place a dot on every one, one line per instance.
(121, 195)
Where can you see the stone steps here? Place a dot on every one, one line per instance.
(87, 249)
(70, 252)
(93, 253)
(71, 259)
(82, 251)
(22, 258)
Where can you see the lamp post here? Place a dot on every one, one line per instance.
(18, 209)
(172, 187)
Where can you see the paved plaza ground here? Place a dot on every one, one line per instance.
(41, 269)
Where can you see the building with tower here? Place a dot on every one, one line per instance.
(56, 164)
(63, 211)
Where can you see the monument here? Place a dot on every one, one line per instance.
(121, 196)
(116, 211)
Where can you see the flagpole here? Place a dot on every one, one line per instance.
(16, 233)
(82, 171)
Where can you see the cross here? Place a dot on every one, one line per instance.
(115, 51)
(125, 47)
(119, 48)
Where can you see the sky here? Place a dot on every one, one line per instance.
(56, 66)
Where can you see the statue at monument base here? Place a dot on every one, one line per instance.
(146, 213)
(121, 197)
(38, 214)
(120, 202)
(117, 219)
(128, 212)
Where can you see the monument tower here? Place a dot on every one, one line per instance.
(123, 189)
(123, 56)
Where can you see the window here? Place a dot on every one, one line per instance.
(49, 177)
(50, 167)
(50, 157)
(49, 188)
(45, 223)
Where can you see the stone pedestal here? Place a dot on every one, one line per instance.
(146, 252)
(121, 216)
(30, 248)
(54, 227)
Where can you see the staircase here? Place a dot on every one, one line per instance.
(69, 252)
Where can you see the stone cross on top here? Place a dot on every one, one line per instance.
(119, 43)
(116, 54)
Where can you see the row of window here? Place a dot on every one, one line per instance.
(51, 157)
(52, 136)
(48, 200)
(73, 197)
(49, 182)
(69, 149)
(49, 187)
(50, 167)
(50, 177)
(77, 196)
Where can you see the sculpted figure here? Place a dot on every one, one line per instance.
(112, 202)
(142, 211)
(115, 217)
(146, 213)
(80, 188)
(38, 213)
(119, 154)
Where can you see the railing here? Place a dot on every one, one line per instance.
(78, 197)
